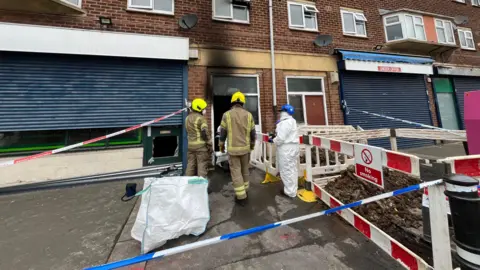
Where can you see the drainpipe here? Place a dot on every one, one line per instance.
(272, 56)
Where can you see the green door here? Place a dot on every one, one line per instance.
(162, 145)
(446, 103)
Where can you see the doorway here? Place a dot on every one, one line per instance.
(224, 86)
(446, 103)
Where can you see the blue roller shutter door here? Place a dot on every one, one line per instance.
(60, 92)
(397, 95)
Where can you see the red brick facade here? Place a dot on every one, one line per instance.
(255, 35)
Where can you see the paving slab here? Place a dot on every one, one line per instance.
(438, 151)
(68, 228)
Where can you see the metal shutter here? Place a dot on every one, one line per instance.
(58, 92)
(397, 95)
(462, 85)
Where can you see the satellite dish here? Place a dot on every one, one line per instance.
(323, 40)
(460, 19)
(188, 21)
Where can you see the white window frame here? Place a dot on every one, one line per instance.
(402, 21)
(303, 94)
(230, 18)
(150, 9)
(465, 31)
(258, 128)
(476, 4)
(445, 29)
(79, 3)
(355, 14)
(308, 10)
(460, 1)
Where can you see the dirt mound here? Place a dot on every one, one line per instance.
(399, 216)
(323, 157)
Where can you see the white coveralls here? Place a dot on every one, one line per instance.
(288, 149)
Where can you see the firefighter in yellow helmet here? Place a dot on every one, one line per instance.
(199, 143)
(238, 127)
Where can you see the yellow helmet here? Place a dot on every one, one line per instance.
(238, 97)
(199, 105)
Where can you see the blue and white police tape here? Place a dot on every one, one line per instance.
(218, 239)
(348, 109)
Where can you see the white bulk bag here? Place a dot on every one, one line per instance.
(171, 207)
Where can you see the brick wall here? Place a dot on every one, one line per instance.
(256, 34)
(431, 100)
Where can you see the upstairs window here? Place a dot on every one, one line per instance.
(444, 31)
(234, 11)
(403, 26)
(302, 16)
(354, 23)
(155, 6)
(77, 3)
(476, 3)
(466, 39)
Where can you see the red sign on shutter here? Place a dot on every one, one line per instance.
(389, 69)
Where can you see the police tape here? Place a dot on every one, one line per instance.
(66, 148)
(230, 236)
(348, 109)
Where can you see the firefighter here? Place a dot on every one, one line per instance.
(238, 127)
(199, 142)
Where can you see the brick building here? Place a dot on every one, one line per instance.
(75, 69)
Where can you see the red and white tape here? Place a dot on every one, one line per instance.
(66, 148)
(399, 252)
(334, 145)
(401, 162)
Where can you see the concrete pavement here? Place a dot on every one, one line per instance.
(74, 228)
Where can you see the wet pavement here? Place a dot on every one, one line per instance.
(73, 228)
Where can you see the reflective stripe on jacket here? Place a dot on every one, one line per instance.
(240, 131)
(197, 131)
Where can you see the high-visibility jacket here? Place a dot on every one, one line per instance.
(197, 132)
(238, 127)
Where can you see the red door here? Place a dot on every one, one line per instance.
(315, 110)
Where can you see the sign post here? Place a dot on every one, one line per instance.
(368, 164)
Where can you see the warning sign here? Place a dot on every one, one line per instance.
(368, 163)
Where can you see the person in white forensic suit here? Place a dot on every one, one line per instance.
(288, 149)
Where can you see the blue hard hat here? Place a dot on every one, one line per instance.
(288, 108)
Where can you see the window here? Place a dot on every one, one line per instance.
(30, 141)
(414, 27)
(156, 6)
(444, 31)
(236, 11)
(302, 16)
(476, 3)
(354, 23)
(404, 26)
(393, 28)
(466, 39)
(77, 3)
(305, 94)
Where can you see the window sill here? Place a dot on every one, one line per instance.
(304, 30)
(230, 21)
(355, 36)
(459, 2)
(469, 49)
(150, 12)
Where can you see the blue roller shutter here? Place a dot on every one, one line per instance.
(397, 95)
(462, 85)
(60, 92)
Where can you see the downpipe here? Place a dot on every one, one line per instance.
(272, 57)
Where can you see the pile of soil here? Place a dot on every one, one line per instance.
(399, 216)
(322, 156)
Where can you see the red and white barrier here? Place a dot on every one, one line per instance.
(401, 162)
(467, 165)
(333, 145)
(399, 252)
(66, 148)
